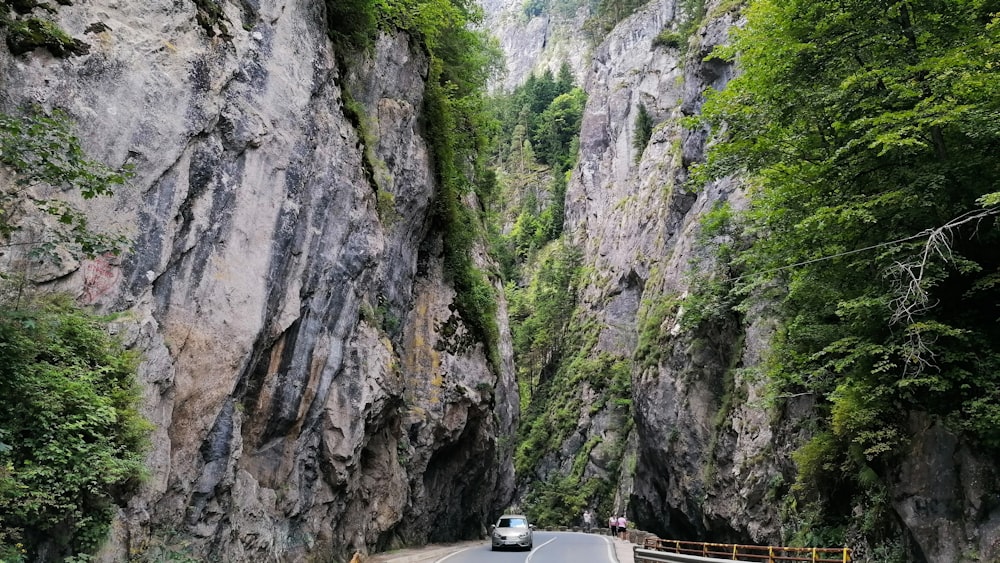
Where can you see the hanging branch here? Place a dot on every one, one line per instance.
(909, 286)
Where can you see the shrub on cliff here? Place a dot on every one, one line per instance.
(71, 437)
(39, 150)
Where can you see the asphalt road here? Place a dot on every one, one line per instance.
(550, 547)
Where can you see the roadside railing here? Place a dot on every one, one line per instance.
(736, 552)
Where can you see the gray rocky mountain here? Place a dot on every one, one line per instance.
(313, 390)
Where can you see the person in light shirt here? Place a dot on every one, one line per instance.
(622, 524)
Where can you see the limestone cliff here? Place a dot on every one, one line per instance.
(537, 42)
(314, 390)
(712, 458)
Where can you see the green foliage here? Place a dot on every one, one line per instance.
(692, 14)
(462, 58)
(657, 319)
(860, 126)
(41, 150)
(558, 8)
(533, 8)
(560, 501)
(608, 13)
(675, 36)
(538, 140)
(71, 438)
(540, 313)
(669, 39)
(27, 34)
(643, 131)
(547, 111)
(551, 418)
(557, 127)
(69, 423)
(352, 22)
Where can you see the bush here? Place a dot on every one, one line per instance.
(41, 149)
(669, 39)
(643, 131)
(71, 438)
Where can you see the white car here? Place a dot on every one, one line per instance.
(511, 530)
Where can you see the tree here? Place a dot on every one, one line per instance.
(868, 132)
(643, 131)
(71, 438)
(564, 80)
(558, 125)
(72, 441)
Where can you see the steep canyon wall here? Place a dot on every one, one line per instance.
(709, 455)
(313, 389)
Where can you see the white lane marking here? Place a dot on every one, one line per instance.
(535, 550)
(450, 555)
(612, 556)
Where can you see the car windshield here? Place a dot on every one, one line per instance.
(513, 523)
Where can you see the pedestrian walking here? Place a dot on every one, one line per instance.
(613, 525)
(622, 527)
(588, 520)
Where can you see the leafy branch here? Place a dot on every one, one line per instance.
(40, 150)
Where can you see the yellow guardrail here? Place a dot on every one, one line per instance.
(736, 552)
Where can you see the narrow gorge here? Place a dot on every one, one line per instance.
(369, 313)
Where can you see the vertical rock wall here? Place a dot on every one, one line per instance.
(313, 390)
(537, 43)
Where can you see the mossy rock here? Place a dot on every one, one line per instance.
(211, 18)
(27, 35)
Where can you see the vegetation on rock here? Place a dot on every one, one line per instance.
(71, 439)
(537, 142)
(457, 123)
(40, 150)
(25, 34)
(868, 132)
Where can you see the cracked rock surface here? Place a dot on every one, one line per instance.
(307, 403)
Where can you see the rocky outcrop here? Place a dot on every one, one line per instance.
(630, 210)
(537, 43)
(313, 389)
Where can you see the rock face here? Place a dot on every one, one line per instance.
(536, 43)
(712, 458)
(313, 389)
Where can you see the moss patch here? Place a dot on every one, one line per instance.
(29, 34)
